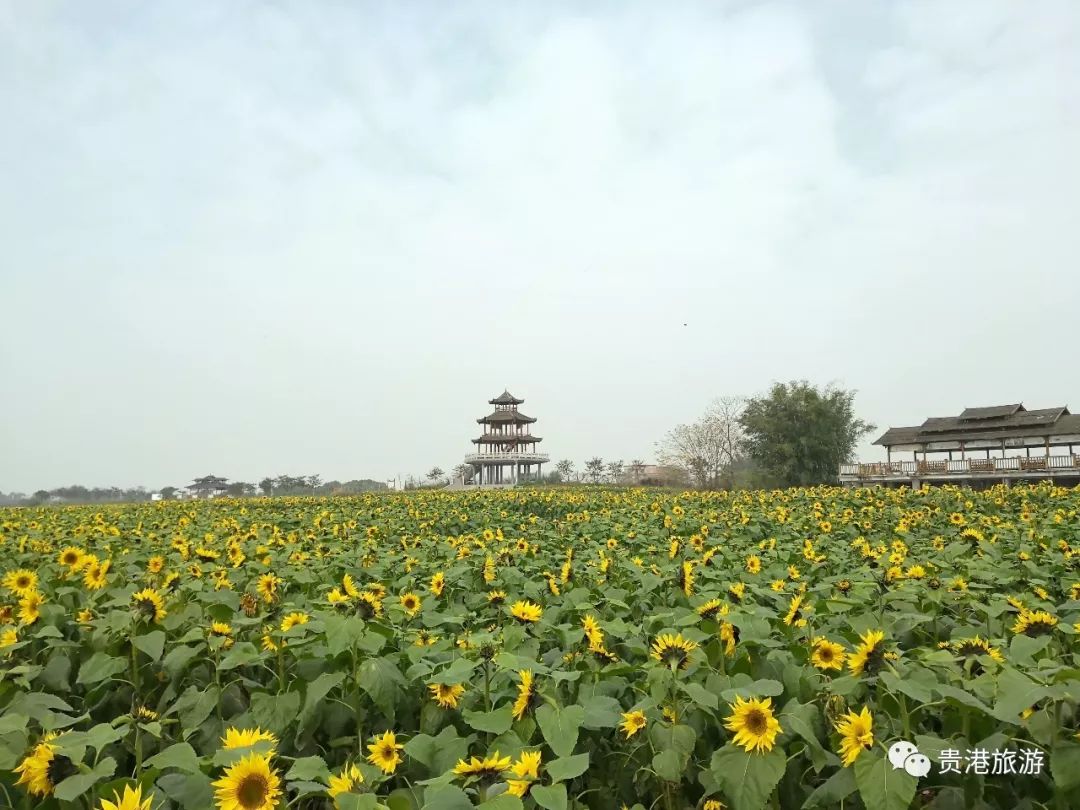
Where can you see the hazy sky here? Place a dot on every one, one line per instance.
(316, 237)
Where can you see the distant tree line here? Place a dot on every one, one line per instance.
(201, 487)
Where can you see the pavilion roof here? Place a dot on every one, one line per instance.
(505, 398)
(994, 422)
(513, 417)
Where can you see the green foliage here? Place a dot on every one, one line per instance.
(801, 434)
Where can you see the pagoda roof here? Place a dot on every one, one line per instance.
(514, 417)
(505, 398)
(495, 438)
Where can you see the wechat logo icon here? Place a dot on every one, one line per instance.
(905, 755)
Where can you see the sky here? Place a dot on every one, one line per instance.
(262, 238)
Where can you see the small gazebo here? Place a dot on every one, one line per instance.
(506, 450)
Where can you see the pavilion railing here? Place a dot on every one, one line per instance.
(960, 467)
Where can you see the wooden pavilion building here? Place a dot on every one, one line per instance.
(506, 451)
(995, 444)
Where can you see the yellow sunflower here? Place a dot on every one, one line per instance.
(250, 784)
(524, 695)
(21, 581)
(869, 656)
(1034, 623)
(411, 602)
(632, 723)
(753, 564)
(857, 735)
(245, 737)
(487, 768)
(526, 612)
(447, 695)
(72, 557)
(673, 650)
(525, 769)
(30, 607)
(267, 587)
(345, 781)
(438, 582)
(8, 637)
(96, 575)
(148, 605)
(384, 752)
(827, 655)
(293, 620)
(42, 769)
(794, 617)
(131, 800)
(709, 609)
(754, 724)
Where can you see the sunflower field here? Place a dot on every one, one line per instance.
(551, 648)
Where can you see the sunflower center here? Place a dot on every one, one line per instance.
(826, 655)
(251, 793)
(756, 721)
(22, 582)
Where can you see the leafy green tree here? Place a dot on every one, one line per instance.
(594, 469)
(801, 434)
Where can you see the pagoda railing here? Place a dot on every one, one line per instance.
(508, 457)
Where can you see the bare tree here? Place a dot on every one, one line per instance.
(708, 448)
(614, 471)
(594, 469)
(565, 468)
(636, 470)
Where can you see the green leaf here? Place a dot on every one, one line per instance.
(757, 689)
(1065, 765)
(601, 712)
(151, 643)
(342, 632)
(75, 786)
(309, 769)
(316, 691)
(880, 785)
(446, 797)
(504, 801)
(57, 673)
(835, 789)
(193, 791)
(679, 738)
(669, 765)
(240, 654)
(195, 705)
(180, 756)
(74, 743)
(497, 721)
(700, 695)
(549, 797)
(567, 767)
(438, 754)
(275, 712)
(99, 667)
(177, 659)
(560, 727)
(357, 801)
(1016, 692)
(748, 779)
(458, 672)
(379, 677)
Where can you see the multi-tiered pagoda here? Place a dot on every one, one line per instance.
(506, 451)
